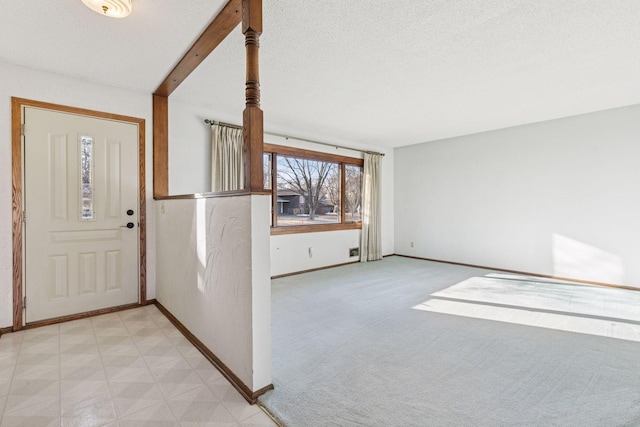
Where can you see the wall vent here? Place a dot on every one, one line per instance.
(354, 252)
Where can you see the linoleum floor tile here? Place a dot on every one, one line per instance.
(260, 419)
(35, 405)
(88, 422)
(131, 368)
(30, 421)
(130, 398)
(155, 415)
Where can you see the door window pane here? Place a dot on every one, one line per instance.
(86, 178)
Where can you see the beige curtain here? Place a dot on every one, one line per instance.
(226, 158)
(370, 239)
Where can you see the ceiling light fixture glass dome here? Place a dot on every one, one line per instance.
(110, 8)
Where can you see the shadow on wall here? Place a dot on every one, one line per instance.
(578, 260)
(211, 229)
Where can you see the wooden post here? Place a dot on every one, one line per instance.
(160, 146)
(252, 119)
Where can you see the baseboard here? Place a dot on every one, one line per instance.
(77, 316)
(249, 395)
(84, 315)
(151, 301)
(313, 269)
(524, 273)
(321, 268)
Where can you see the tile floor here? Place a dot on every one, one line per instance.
(130, 368)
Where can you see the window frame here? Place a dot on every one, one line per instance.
(280, 150)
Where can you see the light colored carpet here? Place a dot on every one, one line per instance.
(403, 342)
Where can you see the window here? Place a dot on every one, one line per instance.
(266, 162)
(308, 191)
(353, 193)
(86, 178)
(312, 191)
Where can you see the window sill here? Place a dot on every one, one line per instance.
(294, 229)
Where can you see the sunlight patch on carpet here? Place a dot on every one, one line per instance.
(522, 300)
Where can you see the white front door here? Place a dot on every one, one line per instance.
(81, 192)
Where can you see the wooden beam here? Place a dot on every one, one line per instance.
(228, 18)
(160, 146)
(252, 118)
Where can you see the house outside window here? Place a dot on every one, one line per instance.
(312, 191)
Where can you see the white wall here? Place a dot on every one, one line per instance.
(556, 198)
(38, 85)
(213, 276)
(190, 145)
(189, 138)
(306, 251)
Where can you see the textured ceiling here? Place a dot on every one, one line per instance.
(137, 52)
(386, 72)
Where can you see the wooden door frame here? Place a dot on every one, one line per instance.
(17, 105)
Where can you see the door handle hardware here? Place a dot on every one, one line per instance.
(130, 212)
(129, 225)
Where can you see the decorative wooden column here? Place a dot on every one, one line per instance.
(252, 120)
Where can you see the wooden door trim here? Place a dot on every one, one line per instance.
(17, 188)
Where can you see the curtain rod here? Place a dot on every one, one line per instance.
(215, 122)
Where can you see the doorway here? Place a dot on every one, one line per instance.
(82, 219)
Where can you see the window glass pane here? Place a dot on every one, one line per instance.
(308, 192)
(266, 167)
(86, 178)
(353, 193)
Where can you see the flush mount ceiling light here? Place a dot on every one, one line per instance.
(110, 8)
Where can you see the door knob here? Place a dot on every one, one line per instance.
(130, 212)
(129, 225)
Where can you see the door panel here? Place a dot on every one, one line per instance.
(81, 177)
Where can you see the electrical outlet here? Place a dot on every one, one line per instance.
(354, 252)
(310, 253)
(411, 244)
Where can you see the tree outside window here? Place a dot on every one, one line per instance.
(304, 188)
(353, 193)
(309, 189)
